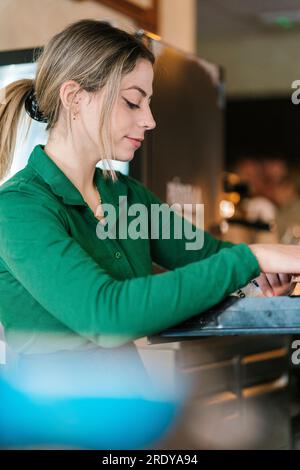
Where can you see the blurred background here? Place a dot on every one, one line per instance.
(257, 43)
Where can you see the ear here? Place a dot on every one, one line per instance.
(68, 93)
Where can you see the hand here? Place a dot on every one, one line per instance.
(276, 258)
(275, 284)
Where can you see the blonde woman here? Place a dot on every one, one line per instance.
(65, 290)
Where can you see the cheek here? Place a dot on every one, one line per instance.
(122, 123)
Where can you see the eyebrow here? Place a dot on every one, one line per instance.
(134, 87)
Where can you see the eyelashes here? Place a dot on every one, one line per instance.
(131, 105)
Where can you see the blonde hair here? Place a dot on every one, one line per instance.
(94, 54)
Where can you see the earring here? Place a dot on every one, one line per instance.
(75, 115)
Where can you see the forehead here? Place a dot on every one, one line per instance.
(141, 76)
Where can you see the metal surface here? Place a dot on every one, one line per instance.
(234, 316)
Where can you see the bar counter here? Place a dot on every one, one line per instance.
(237, 355)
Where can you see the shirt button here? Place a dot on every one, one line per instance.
(117, 255)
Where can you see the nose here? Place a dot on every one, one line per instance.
(147, 120)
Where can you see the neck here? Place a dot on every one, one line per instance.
(74, 164)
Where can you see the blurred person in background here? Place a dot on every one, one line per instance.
(286, 197)
(257, 207)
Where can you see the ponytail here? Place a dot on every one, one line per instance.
(11, 104)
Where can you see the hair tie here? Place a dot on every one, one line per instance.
(32, 108)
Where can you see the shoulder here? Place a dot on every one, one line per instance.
(26, 193)
(26, 182)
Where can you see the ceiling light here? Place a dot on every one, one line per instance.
(284, 19)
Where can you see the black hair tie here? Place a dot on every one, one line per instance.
(32, 108)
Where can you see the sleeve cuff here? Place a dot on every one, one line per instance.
(249, 259)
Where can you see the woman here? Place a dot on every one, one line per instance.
(63, 288)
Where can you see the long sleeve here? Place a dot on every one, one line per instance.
(172, 252)
(38, 251)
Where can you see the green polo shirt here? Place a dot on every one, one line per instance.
(63, 287)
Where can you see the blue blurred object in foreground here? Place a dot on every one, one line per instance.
(86, 423)
(88, 400)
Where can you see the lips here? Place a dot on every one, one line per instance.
(135, 142)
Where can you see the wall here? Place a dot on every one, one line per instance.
(177, 23)
(258, 65)
(22, 25)
(30, 23)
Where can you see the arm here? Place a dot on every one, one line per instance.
(174, 252)
(274, 258)
(72, 287)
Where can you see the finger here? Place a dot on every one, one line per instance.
(280, 283)
(278, 287)
(285, 278)
(274, 280)
(264, 285)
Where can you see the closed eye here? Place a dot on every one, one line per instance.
(131, 105)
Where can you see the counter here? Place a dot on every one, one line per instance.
(237, 358)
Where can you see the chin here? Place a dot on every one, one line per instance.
(125, 156)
